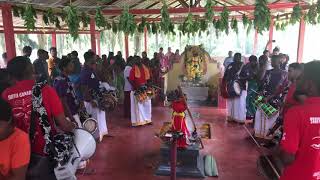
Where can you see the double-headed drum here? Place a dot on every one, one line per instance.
(234, 89)
(83, 149)
(91, 125)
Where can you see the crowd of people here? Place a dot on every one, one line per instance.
(45, 98)
(281, 100)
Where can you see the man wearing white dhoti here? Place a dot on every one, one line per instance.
(90, 87)
(236, 105)
(140, 109)
(273, 85)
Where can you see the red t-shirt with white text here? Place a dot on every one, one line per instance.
(19, 96)
(302, 138)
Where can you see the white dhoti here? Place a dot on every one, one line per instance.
(100, 116)
(262, 124)
(237, 107)
(140, 111)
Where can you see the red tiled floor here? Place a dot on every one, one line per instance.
(132, 153)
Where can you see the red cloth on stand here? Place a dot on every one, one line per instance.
(179, 122)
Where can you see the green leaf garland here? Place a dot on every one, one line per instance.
(85, 19)
(209, 11)
(296, 14)
(16, 11)
(127, 23)
(245, 20)
(99, 18)
(225, 20)
(154, 28)
(188, 25)
(203, 25)
(311, 16)
(262, 17)
(234, 25)
(114, 27)
(72, 21)
(165, 18)
(29, 17)
(57, 22)
(142, 25)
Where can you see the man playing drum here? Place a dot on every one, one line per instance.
(236, 104)
(66, 92)
(300, 145)
(274, 82)
(140, 111)
(20, 97)
(90, 85)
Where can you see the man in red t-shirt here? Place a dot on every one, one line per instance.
(300, 145)
(19, 97)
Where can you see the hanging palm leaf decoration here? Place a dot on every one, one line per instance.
(85, 19)
(249, 26)
(296, 14)
(114, 27)
(311, 16)
(142, 25)
(188, 26)
(72, 21)
(148, 26)
(127, 23)
(99, 18)
(209, 11)
(16, 11)
(225, 20)
(318, 10)
(278, 26)
(245, 20)
(108, 25)
(45, 19)
(234, 25)
(218, 27)
(154, 28)
(203, 25)
(165, 18)
(29, 17)
(262, 16)
(57, 22)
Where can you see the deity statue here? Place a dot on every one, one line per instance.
(195, 63)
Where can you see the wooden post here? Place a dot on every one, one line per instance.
(126, 45)
(8, 31)
(145, 39)
(93, 35)
(271, 35)
(54, 39)
(302, 29)
(255, 42)
(98, 43)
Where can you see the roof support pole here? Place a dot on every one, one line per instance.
(53, 39)
(302, 29)
(99, 43)
(271, 35)
(145, 40)
(93, 35)
(126, 45)
(255, 42)
(8, 31)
